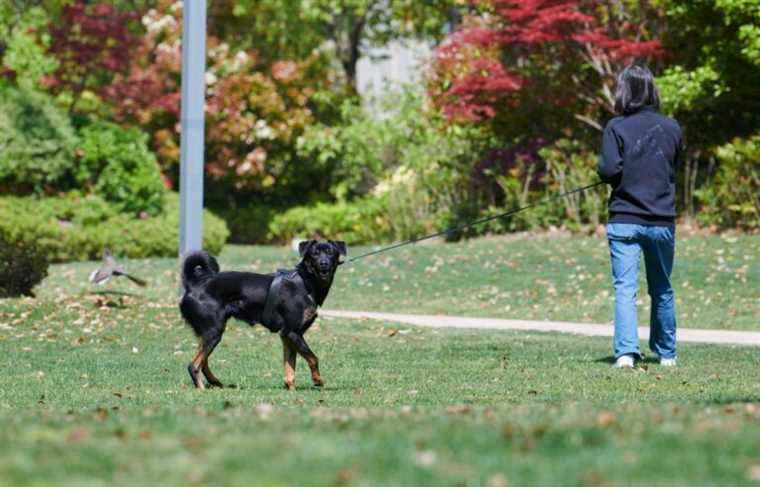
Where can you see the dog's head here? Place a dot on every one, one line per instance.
(322, 258)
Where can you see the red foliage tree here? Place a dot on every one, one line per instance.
(92, 44)
(557, 52)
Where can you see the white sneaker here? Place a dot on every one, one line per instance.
(668, 362)
(624, 362)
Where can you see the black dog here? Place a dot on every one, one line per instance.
(285, 303)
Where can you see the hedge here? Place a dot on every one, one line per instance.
(76, 228)
(361, 221)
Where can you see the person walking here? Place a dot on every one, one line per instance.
(639, 156)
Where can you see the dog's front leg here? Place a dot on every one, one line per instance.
(289, 360)
(303, 348)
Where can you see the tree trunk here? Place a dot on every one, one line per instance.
(350, 50)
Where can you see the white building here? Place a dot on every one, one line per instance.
(395, 64)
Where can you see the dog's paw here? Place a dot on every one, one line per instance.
(197, 382)
(215, 383)
(289, 386)
(319, 383)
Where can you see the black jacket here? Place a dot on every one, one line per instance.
(639, 158)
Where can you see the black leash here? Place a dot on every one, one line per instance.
(472, 223)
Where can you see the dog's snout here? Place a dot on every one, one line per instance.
(323, 263)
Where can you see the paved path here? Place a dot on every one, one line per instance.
(441, 321)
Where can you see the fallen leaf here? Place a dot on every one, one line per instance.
(193, 443)
(497, 480)
(459, 409)
(78, 435)
(508, 431)
(595, 479)
(101, 413)
(263, 410)
(424, 458)
(345, 476)
(606, 419)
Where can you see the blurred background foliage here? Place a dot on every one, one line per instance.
(507, 108)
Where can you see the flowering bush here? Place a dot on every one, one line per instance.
(254, 111)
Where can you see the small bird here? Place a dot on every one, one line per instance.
(109, 268)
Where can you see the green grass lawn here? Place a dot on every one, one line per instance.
(717, 279)
(94, 389)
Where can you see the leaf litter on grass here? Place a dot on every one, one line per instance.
(371, 371)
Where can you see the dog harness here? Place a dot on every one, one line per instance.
(269, 316)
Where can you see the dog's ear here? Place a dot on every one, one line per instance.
(340, 246)
(304, 246)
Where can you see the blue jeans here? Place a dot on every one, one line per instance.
(627, 241)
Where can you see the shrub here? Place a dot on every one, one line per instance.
(37, 143)
(362, 221)
(732, 197)
(256, 108)
(41, 153)
(410, 158)
(247, 225)
(76, 227)
(23, 265)
(117, 165)
(544, 171)
(570, 165)
(522, 183)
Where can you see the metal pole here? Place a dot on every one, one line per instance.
(191, 118)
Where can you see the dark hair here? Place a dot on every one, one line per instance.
(635, 90)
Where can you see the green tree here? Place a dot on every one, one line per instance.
(711, 88)
(351, 28)
(23, 41)
(716, 46)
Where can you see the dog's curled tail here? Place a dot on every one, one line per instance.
(197, 266)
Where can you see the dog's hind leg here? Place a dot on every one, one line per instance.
(210, 377)
(211, 345)
(289, 360)
(194, 366)
(303, 349)
(206, 344)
